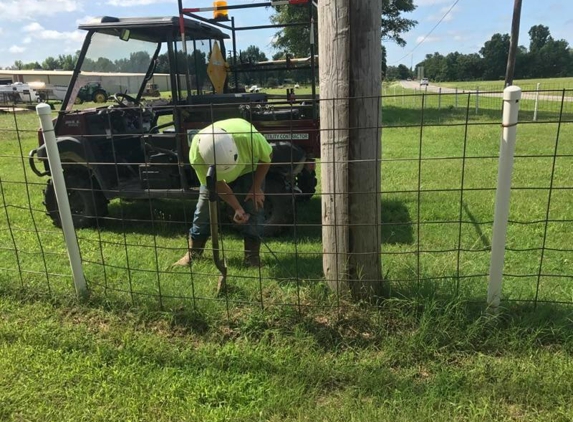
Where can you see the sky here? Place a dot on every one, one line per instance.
(31, 30)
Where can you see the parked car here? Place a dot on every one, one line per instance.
(424, 81)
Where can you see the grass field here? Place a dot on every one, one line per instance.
(525, 84)
(154, 344)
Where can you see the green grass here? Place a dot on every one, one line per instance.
(525, 84)
(63, 362)
(279, 347)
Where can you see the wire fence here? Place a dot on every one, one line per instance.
(440, 153)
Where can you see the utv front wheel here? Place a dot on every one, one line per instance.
(87, 202)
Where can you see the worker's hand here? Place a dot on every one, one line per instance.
(241, 217)
(257, 196)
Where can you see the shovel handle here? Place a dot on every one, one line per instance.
(211, 183)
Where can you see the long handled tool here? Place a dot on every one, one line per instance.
(214, 222)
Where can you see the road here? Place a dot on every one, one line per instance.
(524, 96)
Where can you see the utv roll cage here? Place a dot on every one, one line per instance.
(221, 20)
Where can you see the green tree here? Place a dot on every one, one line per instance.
(435, 67)
(103, 64)
(296, 39)
(553, 59)
(469, 67)
(51, 63)
(252, 55)
(539, 35)
(494, 53)
(67, 61)
(383, 64)
(400, 72)
(393, 24)
(404, 72)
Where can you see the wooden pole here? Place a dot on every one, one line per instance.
(350, 83)
(514, 40)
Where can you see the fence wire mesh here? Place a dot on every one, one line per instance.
(440, 153)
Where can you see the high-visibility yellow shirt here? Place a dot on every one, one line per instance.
(251, 145)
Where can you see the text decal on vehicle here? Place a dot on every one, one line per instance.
(285, 136)
(72, 123)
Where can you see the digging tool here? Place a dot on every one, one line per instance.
(214, 223)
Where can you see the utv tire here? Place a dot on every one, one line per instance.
(279, 208)
(306, 181)
(87, 202)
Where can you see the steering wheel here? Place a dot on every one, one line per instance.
(124, 100)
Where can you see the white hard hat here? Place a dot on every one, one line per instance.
(218, 148)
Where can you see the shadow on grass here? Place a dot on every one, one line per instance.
(174, 218)
(484, 239)
(421, 326)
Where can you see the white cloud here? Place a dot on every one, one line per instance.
(16, 50)
(84, 20)
(38, 32)
(131, 3)
(430, 2)
(442, 12)
(459, 35)
(33, 27)
(428, 39)
(29, 9)
(27, 40)
(1, 31)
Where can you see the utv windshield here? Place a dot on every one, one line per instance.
(111, 66)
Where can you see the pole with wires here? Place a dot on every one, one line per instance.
(513, 43)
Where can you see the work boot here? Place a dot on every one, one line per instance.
(252, 252)
(196, 247)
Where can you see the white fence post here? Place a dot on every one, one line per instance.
(477, 99)
(511, 97)
(456, 97)
(45, 113)
(439, 99)
(536, 103)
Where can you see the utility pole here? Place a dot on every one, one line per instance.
(513, 43)
(350, 120)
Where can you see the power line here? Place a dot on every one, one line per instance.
(429, 33)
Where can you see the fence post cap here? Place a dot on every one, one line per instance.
(512, 93)
(43, 109)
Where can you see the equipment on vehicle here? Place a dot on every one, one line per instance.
(136, 149)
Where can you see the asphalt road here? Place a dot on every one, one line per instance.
(524, 96)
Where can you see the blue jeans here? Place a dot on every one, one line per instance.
(253, 229)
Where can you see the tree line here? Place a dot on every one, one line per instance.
(290, 41)
(546, 57)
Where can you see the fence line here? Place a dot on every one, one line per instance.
(439, 177)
